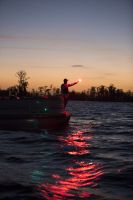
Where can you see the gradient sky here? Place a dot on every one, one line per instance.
(56, 39)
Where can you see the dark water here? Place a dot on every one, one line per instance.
(90, 159)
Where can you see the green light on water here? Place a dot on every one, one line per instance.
(37, 176)
(45, 109)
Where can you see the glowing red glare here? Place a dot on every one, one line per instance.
(84, 194)
(56, 176)
(86, 184)
(80, 152)
(86, 176)
(82, 163)
(76, 182)
(88, 137)
(79, 144)
(71, 182)
(81, 175)
(80, 169)
(60, 189)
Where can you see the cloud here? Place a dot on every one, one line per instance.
(78, 66)
(35, 37)
(17, 37)
(97, 77)
(109, 74)
(44, 67)
(27, 48)
(103, 49)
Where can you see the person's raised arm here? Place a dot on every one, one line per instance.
(69, 85)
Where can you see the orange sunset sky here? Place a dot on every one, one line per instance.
(56, 39)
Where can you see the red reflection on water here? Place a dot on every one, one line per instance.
(78, 141)
(79, 175)
(78, 178)
(86, 174)
(56, 176)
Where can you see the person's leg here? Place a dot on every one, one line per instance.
(65, 101)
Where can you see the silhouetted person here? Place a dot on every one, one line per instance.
(65, 90)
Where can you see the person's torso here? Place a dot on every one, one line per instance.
(64, 89)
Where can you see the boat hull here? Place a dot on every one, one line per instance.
(33, 114)
(35, 123)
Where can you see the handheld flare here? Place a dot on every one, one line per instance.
(79, 80)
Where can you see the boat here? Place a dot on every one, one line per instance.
(33, 113)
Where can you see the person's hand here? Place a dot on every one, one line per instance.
(79, 80)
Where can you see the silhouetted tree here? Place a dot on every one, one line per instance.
(93, 93)
(22, 82)
(102, 92)
(112, 92)
(13, 91)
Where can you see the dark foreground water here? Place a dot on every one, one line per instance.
(91, 159)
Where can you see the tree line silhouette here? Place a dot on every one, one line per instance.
(101, 93)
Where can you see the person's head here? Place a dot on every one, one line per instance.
(65, 80)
